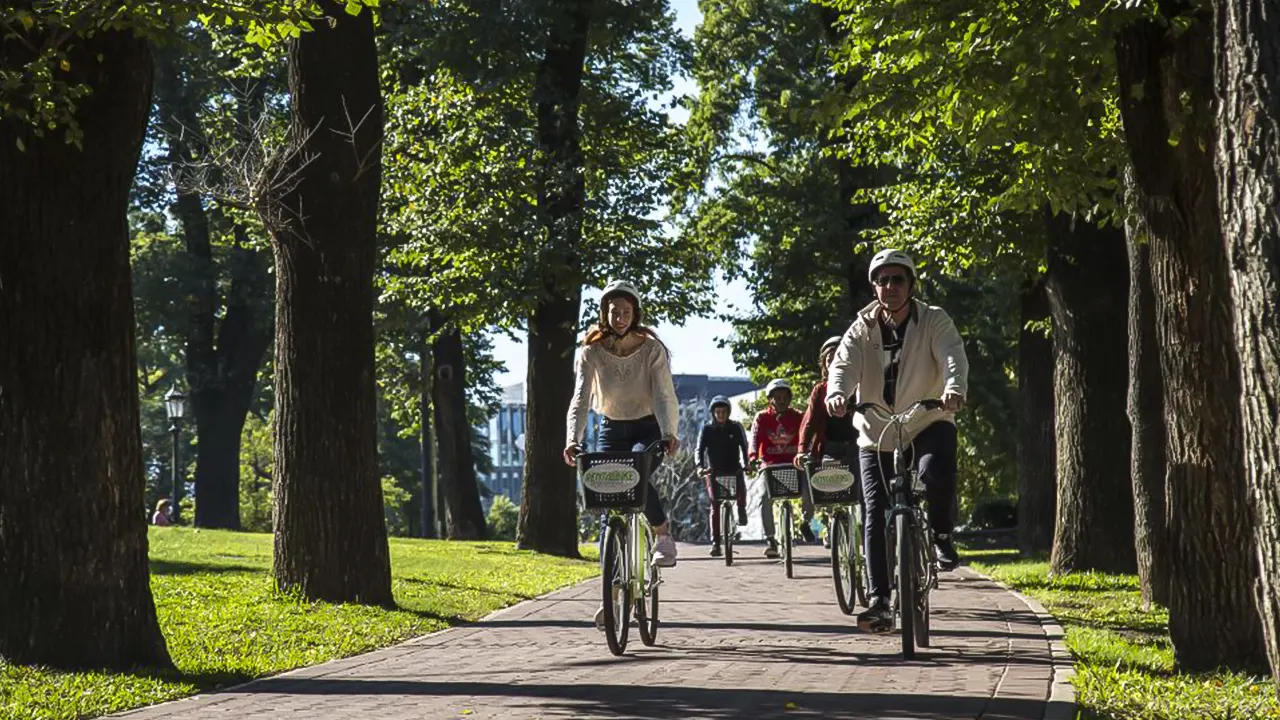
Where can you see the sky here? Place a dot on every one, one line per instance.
(693, 345)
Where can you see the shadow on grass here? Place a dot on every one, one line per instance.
(504, 594)
(171, 567)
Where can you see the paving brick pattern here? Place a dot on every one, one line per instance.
(735, 642)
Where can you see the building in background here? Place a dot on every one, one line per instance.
(506, 429)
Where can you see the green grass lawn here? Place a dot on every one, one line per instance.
(1124, 660)
(225, 623)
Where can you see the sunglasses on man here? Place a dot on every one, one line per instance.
(890, 280)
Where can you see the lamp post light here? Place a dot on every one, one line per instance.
(175, 404)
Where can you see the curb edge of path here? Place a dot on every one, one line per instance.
(1061, 703)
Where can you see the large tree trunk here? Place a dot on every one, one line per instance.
(1037, 478)
(430, 508)
(73, 532)
(1146, 417)
(1213, 619)
(457, 467)
(1248, 159)
(548, 507)
(330, 534)
(1088, 290)
(222, 361)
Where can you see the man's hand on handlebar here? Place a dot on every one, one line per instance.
(799, 460)
(571, 452)
(836, 406)
(952, 401)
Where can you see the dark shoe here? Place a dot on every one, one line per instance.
(771, 550)
(878, 618)
(948, 558)
(742, 516)
(806, 532)
(715, 550)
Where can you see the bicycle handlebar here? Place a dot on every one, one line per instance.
(663, 444)
(890, 416)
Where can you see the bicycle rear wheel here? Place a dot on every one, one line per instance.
(922, 592)
(842, 572)
(647, 617)
(617, 589)
(786, 531)
(906, 584)
(727, 525)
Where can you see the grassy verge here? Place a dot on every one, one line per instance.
(225, 623)
(1124, 660)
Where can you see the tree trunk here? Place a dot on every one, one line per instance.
(427, 442)
(222, 362)
(1213, 619)
(73, 532)
(1037, 479)
(1146, 417)
(548, 506)
(1248, 163)
(1087, 287)
(330, 533)
(457, 468)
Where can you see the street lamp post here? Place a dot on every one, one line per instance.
(175, 406)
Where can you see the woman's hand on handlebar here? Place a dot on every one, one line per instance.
(673, 444)
(571, 452)
(952, 401)
(799, 460)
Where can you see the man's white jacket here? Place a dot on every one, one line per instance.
(931, 361)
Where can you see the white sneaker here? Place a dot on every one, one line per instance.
(664, 551)
(600, 619)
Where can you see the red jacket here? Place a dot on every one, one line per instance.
(775, 438)
(817, 426)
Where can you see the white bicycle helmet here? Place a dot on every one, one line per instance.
(833, 341)
(719, 400)
(891, 257)
(774, 385)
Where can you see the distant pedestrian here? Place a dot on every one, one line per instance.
(163, 516)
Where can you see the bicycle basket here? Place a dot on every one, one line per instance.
(783, 481)
(833, 482)
(614, 480)
(724, 486)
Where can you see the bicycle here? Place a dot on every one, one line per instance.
(909, 534)
(616, 483)
(833, 485)
(725, 488)
(783, 481)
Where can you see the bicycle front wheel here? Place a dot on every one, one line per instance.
(727, 525)
(647, 606)
(786, 531)
(615, 581)
(842, 564)
(906, 584)
(922, 591)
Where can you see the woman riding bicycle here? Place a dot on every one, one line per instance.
(821, 433)
(623, 372)
(897, 352)
(722, 448)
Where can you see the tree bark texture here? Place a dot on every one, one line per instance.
(430, 508)
(464, 515)
(223, 356)
(1248, 162)
(74, 583)
(1087, 285)
(1146, 418)
(1166, 96)
(330, 533)
(1037, 478)
(548, 506)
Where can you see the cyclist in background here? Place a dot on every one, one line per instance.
(775, 436)
(722, 449)
(624, 373)
(897, 352)
(822, 434)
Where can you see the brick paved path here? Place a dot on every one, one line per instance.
(739, 642)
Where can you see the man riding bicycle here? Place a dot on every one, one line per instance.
(775, 438)
(722, 448)
(899, 351)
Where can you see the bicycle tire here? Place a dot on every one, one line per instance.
(727, 525)
(906, 585)
(841, 564)
(647, 618)
(612, 571)
(859, 559)
(922, 599)
(787, 529)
